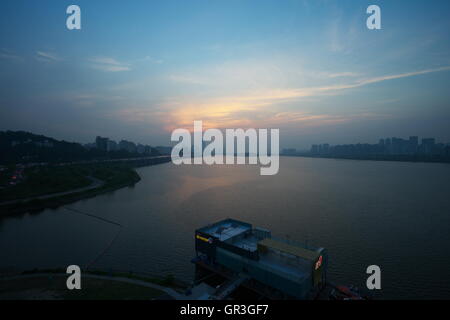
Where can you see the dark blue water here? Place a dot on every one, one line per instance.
(391, 214)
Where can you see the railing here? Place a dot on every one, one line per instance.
(304, 245)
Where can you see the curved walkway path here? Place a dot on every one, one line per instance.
(171, 292)
(96, 183)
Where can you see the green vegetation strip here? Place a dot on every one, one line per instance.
(166, 281)
(46, 180)
(115, 176)
(54, 288)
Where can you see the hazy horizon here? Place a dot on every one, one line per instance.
(136, 71)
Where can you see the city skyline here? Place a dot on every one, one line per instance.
(409, 145)
(310, 68)
(391, 145)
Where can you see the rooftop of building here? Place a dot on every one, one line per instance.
(273, 252)
(226, 229)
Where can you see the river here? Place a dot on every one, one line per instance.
(392, 214)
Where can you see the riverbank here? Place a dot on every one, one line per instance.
(107, 177)
(390, 158)
(96, 285)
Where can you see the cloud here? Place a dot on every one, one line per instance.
(315, 91)
(89, 98)
(152, 60)
(187, 79)
(264, 106)
(343, 32)
(170, 117)
(9, 55)
(239, 95)
(235, 75)
(47, 56)
(108, 64)
(401, 75)
(342, 75)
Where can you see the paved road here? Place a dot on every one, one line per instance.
(96, 183)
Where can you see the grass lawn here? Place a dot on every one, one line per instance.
(54, 288)
(54, 179)
(45, 180)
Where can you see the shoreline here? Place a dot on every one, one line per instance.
(376, 159)
(34, 284)
(37, 205)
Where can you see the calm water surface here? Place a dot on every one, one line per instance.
(395, 215)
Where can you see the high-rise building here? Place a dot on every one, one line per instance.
(428, 145)
(413, 144)
(148, 150)
(388, 145)
(140, 149)
(112, 145)
(102, 143)
(289, 151)
(127, 146)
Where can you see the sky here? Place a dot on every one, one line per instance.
(139, 69)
